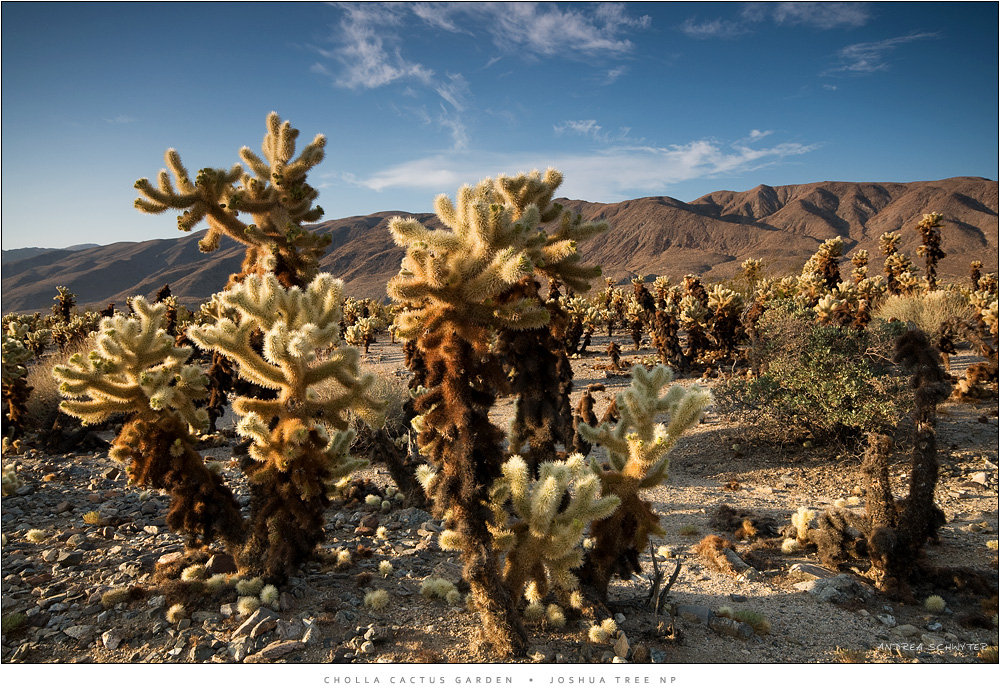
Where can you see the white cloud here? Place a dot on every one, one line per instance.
(365, 58)
(120, 120)
(608, 174)
(818, 15)
(712, 28)
(821, 15)
(865, 58)
(612, 75)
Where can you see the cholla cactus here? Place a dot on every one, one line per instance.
(135, 369)
(727, 308)
(637, 449)
(461, 284)
(859, 266)
(363, 331)
(753, 270)
(661, 286)
(896, 264)
(302, 457)
(65, 302)
(930, 233)
(825, 262)
(274, 192)
(975, 272)
(15, 385)
(694, 318)
(635, 316)
(542, 542)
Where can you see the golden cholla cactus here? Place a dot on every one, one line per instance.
(638, 447)
(299, 459)
(888, 243)
(135, 368)
(458, 286)
(273, 192)
(859, 266)
(930, 233)
(542, 541)
(313, 393)
(824, 263)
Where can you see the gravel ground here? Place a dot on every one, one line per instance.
(57, 575)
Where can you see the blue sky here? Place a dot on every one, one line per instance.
(629, 100)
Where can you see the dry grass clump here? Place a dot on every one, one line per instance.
(927, 311)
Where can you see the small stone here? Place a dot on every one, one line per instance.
(906, 631)
(82, 633)
(239, 648)
(275, 650)
(228, 610)
(737, 598)
(621, 646)
(657, 657)
(204, 616)
(151, 530)
(619, 660)
(887, 620)
(69, 559)
(64, 506)
(157, 601)
(261, 615)
(113, 638)
(289, 629)
(935, 627)
(201, 652)
(368, 648)
(620, 618)
(731, 628)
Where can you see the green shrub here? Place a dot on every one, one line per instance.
(821, 382)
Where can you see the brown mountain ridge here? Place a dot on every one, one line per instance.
(658, 235)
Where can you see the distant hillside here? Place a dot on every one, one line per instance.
(658, 235)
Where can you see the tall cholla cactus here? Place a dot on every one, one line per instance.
(898, 269)
(274, 192)
(301, 458)
(459, 285)
(637, 449)
(15, 386)
(135, 369)
(859, 266)
(825, 262)
(727, 309)
(930, 233)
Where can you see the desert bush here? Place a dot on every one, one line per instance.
(928, 311)
(821, 381)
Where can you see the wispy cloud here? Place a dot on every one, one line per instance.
(592, 130)
(820, 15)
(120, 120)
(713, 28)
(873, 56)
(368, 51)
(607, 174)
(369, 56)
(817, 15)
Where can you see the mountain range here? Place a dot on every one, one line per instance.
(710, 236)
